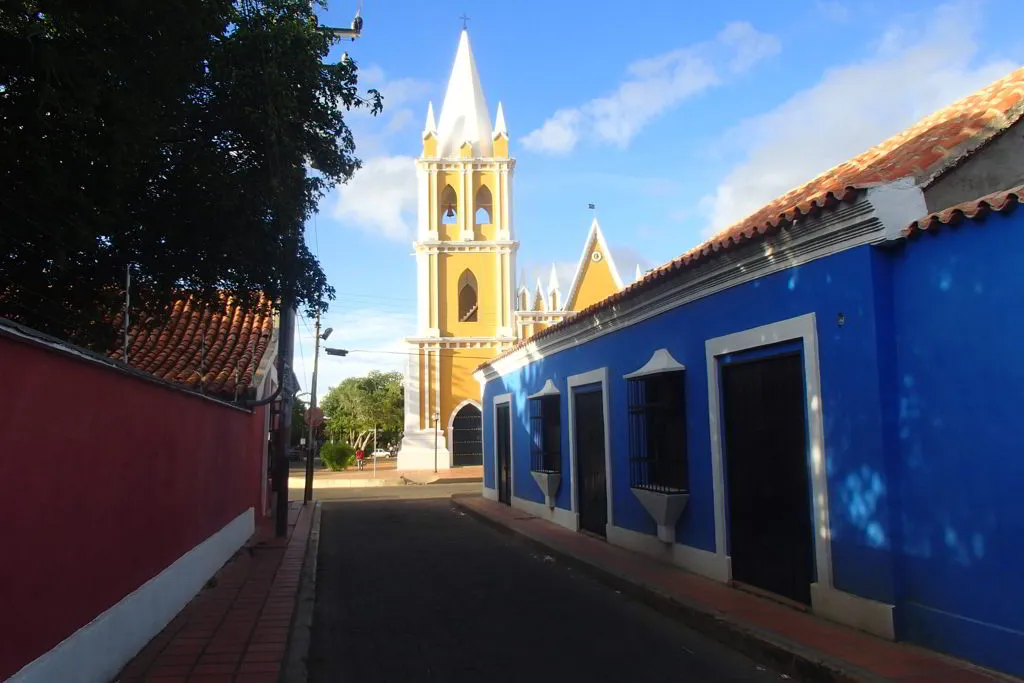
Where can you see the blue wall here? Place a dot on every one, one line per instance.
(958, 301)
(849, 356)
(923, 405)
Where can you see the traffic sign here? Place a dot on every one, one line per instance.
(314, 417)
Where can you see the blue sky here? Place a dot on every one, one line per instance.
(673, 121)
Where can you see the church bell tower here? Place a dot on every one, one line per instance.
(465, 254)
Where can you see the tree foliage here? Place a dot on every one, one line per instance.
(354, 407)
(175, 137)
(299, 426)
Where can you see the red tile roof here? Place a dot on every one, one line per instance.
(215, 348)
(924, 151)
(1003, 201)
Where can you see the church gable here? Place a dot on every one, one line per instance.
(596, 275)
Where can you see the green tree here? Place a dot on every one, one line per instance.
(357, 405)
(177, 137)
(299, 428)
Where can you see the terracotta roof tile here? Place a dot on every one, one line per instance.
(1003, 201)
(217, 348)
(925, 151)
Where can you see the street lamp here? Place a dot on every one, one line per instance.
(335, 352)
(307, 494)
(437, 418)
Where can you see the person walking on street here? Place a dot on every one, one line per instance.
(359, 458)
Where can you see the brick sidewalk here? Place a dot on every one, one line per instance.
(236, 630)
(791, 641)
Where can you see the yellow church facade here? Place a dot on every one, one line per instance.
(469, 308)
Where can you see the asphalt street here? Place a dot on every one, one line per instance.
(410, 589)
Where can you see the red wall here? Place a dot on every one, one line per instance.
(105, 480)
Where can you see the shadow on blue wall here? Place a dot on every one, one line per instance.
(921, 378)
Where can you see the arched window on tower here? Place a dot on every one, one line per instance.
(467, 297)
(449, 206)
(483, 206)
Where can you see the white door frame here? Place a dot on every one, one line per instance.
(503, 399)
(847, 608)
(598, 376)
(800, 329)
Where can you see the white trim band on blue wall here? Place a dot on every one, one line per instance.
(96, 652)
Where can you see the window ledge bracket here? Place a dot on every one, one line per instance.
(665, 508)
(548, 483)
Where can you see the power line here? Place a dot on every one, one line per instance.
(453, 352)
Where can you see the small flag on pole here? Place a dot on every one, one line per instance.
(590, 206)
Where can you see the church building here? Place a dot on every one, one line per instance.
(469, 307)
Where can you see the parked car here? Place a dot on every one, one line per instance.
(380, 453)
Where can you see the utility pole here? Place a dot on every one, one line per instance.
(307, 494)
(437, 419)
(285, 349)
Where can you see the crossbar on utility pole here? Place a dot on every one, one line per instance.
(307, 494)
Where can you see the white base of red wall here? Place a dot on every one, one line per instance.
(96, 652)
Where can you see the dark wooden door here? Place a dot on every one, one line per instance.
(467, 437)
(590, 469)
(503, 425)
(770, 519)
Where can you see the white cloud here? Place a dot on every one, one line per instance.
(559, 134)
(626, 260)
(751, 45)
(380, 198)
(375, 340)
(400, 120)
(396, 92)
(835, 11)
(853, 108)
(653, 86)
(533, 270)
(402, 91)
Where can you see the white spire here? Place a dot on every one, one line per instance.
(553, 279)
(431, 125)
(540, 295)
(639, 273)
(554, 292)
(464, 116)
(499, 123)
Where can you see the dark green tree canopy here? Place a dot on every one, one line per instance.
(174, 137)
(358, 404)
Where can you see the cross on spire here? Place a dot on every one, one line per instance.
(465, 21)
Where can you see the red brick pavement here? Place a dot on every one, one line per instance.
(236, 630)
(856, 654)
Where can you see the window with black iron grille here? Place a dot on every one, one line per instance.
(657, 433)
(545, 434)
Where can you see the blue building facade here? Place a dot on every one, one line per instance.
(829, 414)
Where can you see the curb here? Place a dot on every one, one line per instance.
(295, 669)
(344, 484)
(451, 480)
(780, 654)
